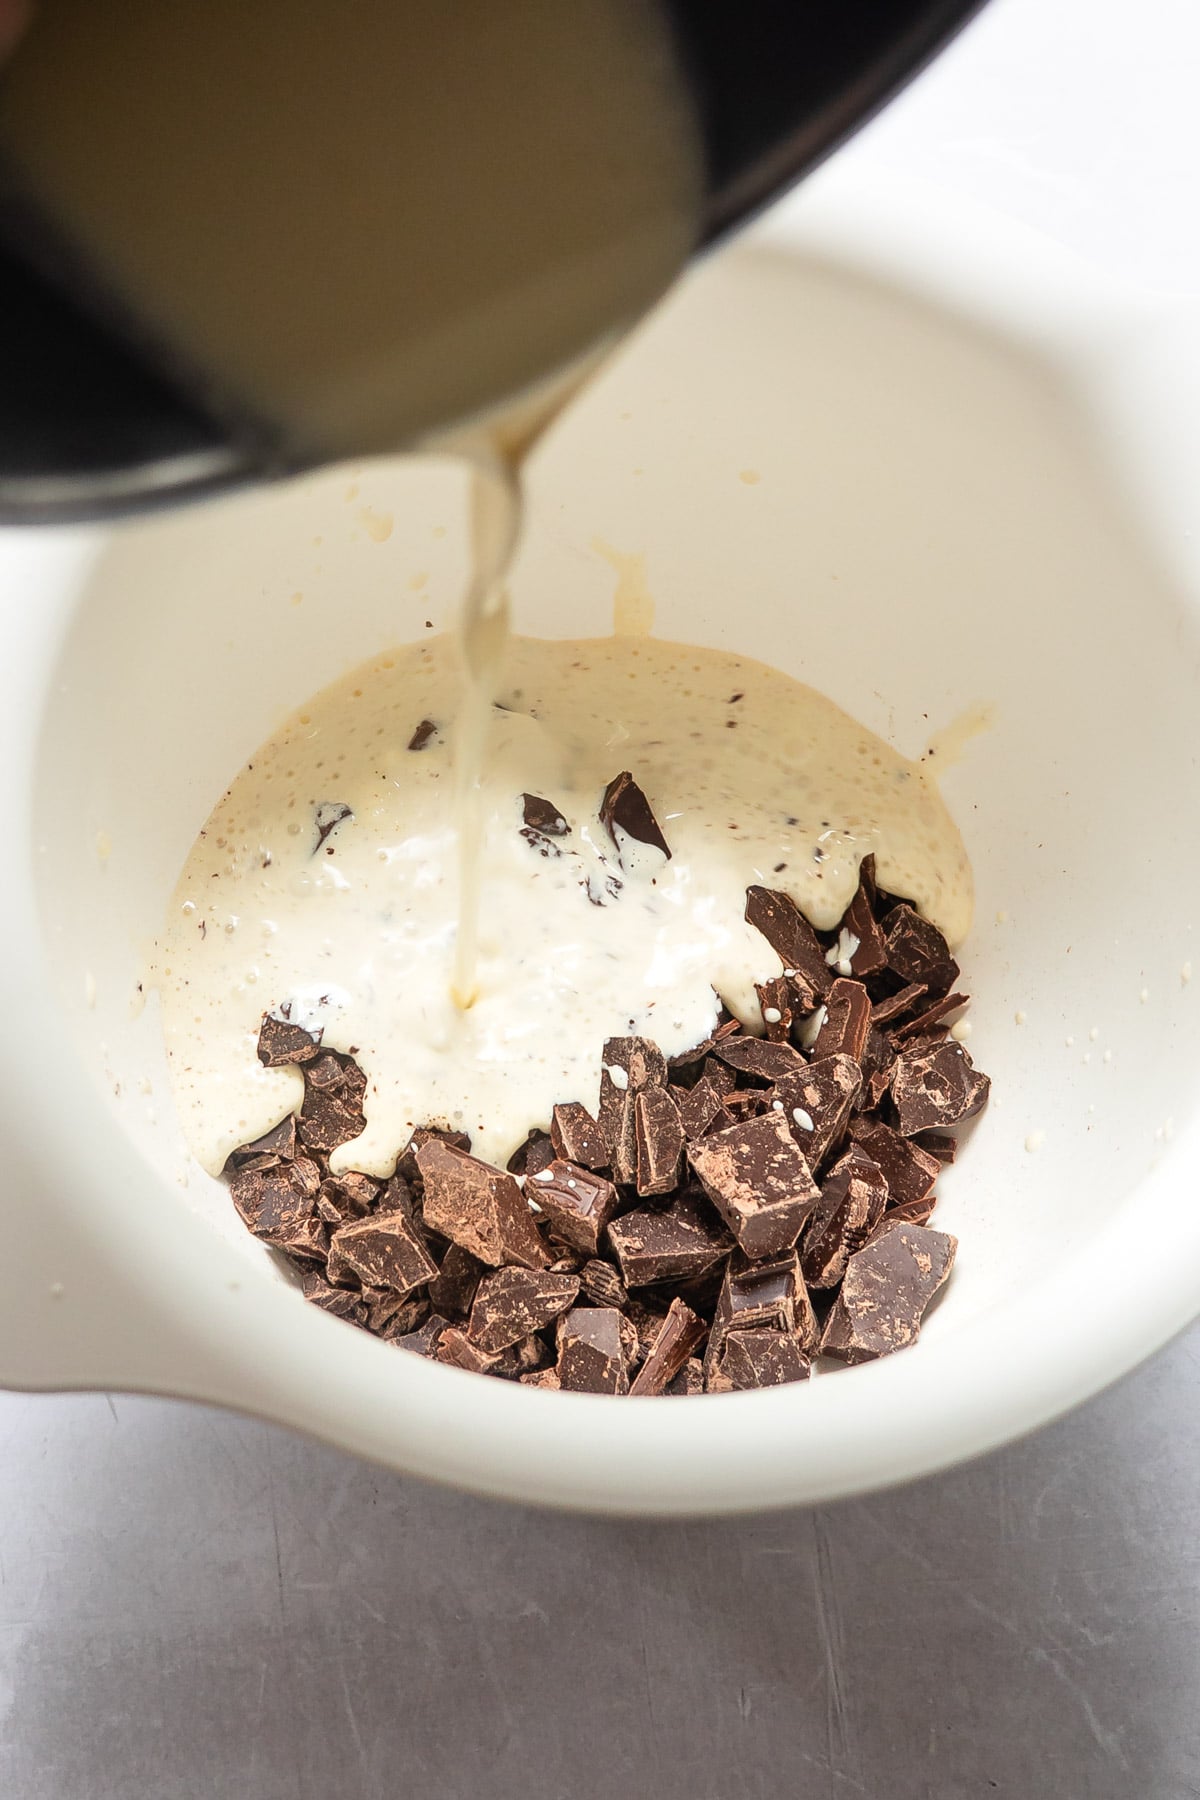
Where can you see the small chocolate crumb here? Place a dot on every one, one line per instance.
(421, 736)
(327, 817)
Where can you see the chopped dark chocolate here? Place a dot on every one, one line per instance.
(878, 1063)
(453, 1287)
(577, 1137)
(534, 1154)
(577, 1203)
(625, 809)
(701, 1109)
(541, 1378)
(406, 1163)
(767, 1295)
(675, 1339)
(479, 1207)
(719, 1076)
(817, 1103)
(846, 1023)
(274, 1146)
(346, 1197)
(424, 1341)
(332, 1111)
(591, 1359)
(421, 736)
(932, 1017)
(542, 815)
(512, 1304)
(455, 1347)
(397, 1196)
(917, 951)
(694, 1057)
(869, 954)
(600, 1283)
(281, 1043)
(335, 1300)
(757, 1177)
(403, 1317)
(327, 817)
(942, 1149)
(278, 1203)
(793, 940)
(776, 1004)
(690, 1379)
(936, 1087)
(684, 1240)
(895, 1005)
(757, 1359)
(853, 1197)
(629, 1064)
(384, 1252)
(658, 1135)
(760, 1059)
(909, 1170)
(887, 1287)
(910, 1212)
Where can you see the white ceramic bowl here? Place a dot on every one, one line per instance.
(921, 467)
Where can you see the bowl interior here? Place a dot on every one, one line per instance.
(840, 477)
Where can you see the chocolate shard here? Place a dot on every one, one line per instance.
(674, 1340)
(403, 1318)
(768, 1295)
(760, 1059)
(897, 1004)
(759, 1181)
(335, 1300)
(847, 1021)
(422, 735)
(887, 1287)
(719, 1076)
(332, 1112)
(406, 1164)
(701, 1109)
(757, 1359)
(541, 1378)
(629, 1064)
(425, 1339)
(576, 1136)
(327, 817)
(933, 1143)
(776, 1003)
(909, 1170)
(917, 951)
(683, 1241)
(694, 1057)
(273, 1147)
(531, 1156)
(936, 1087)
(911, 1212)
(933, 1016)
(543, 816)
(853, 1197)
(577, 1203)
(817, 1103)
(793, 940)
(278, 1203)
(344, 1198)
(878, 1064)
(511, 1304)
(625, 809)
(591, 1359)
(658, 1137)
(479, 1207)
(455, 1347)
(280, 1043)
(600, 1283)
(396, 1196)
(382, 1252)
(452, 1289)
(690, 1379)
(870, 954)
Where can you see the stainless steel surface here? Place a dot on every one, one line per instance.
(194, 1606)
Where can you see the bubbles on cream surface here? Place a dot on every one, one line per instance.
(752, 777)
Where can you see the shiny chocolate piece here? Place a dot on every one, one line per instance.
(577, 1203)
(777, 1004)
(453, 1287)
(280, 1043)
(883, 1012)
(625, 808)
(383, 1252)
(658, 1140)
(886, 1289)
(853, 1197)
(543, 816)
(629, 1064)
(534, 1153)
(268, 1151)
(760, 1059)
(869, 954)
(278, 1204)
(406, 1163)
(909, 1169)
(759, 1181)
(591, 1358)
(767, 1295)
(511, 1304)
(344, 1198)
(576, 1136)
(701, 1109)
(936, 1087)
(817, 1103)
(479, 1207)
(847, 1021)
(793, 940)
(757, 1359)
(332, 1111)
(341, 1302)
(683, 1241)
(674, 1340)
(932, 1017)
(917, 951)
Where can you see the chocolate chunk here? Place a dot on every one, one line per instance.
(658, 1136)
(543, 816)
(701, 1109)
(896, 1005)
(816, 1104)
(278, 1203)
(757, 1177)
(719, 1076)
(383, 1252)
(566, 1261)
(887, 1287)
(274, 1146)
(455, 1347)
(629, 1065)
(541, 1378)
(332, 1111)
(793, 940)
(932, 1017)
(406, 1163)
(626, 809)
(346, 1197)
(909, 1170)
(396, 1196)
(591, 1359)
(280, 1043)
(335, 1300)
(942, 1149)
(403, 1317)
(776, 1004)
(512, 1304)
(747, 1103)
(453, 1287)
(674, 1341)
(878, 1063)
(695, 1056)
(767, 1295)
(535, 1154)
(421, 736)
(936, 1087)
(577, 1203)
(690, 1379)
(600, 1283)
(917, 951)
(327, 817)
(853, 1198)
(758, 1058)
(479, 1207)
(847, 1021)
(870, 954)
(912, 1212)
(424, 1341)
(757, 1359)
(683, 1241)
(577, 1137)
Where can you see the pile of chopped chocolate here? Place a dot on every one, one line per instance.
(721, 1219)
